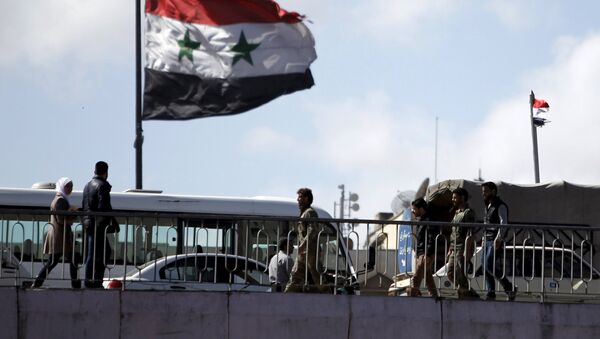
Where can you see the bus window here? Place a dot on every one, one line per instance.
(143, 240)
(208, 235)
(24, 236)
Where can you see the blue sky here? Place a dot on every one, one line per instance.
(385, 70)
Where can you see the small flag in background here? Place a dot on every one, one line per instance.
(540, 114)
(219, 57)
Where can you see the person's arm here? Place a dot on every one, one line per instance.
(501, 235)
(61, 205)
(273, 269)
(311, 230)
(104, 198)
(104, 204)
(289, 265)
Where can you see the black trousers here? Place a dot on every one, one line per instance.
(98, 254)
(54, 260)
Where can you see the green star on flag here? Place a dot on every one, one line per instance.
(187, 47)
(242, 50)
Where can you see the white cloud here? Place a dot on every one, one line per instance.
(512, 13)
(266, 140)
(383, 150)
(401, 19)
(62, 31)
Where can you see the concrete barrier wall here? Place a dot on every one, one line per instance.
(54, 313)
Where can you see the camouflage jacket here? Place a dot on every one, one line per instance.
(459, 234)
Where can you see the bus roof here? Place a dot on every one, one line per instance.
(160, 202)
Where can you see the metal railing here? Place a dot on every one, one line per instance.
(545, 262)
(166, 251)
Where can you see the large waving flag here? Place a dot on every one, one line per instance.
(220, 57)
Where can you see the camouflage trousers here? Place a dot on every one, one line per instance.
(305, 266)
(456, 274)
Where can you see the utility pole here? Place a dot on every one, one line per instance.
(342, 198)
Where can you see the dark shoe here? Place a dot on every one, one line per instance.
(490, 296)
(468, 294)
(90, 284)
(479, 271)
(37, 283)
(512, 294)
(76, 284)
(27, 284)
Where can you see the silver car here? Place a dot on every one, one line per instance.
(197, 272)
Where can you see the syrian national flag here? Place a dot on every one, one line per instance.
(219, 57)
(540, 117)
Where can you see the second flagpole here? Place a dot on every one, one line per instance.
(536, 162)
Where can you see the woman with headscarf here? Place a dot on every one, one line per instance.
(59, 240)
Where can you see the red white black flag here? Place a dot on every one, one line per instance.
(541, 108)
(220, 57)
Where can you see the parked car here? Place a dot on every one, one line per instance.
(535, 270)
(198, 272)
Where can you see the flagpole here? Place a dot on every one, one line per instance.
(139, 136)
(536, 163)
(435, 180)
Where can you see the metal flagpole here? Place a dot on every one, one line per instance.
(139, 136)
(435, 180)
(536, 163)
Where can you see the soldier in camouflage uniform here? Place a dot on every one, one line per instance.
(456, 252)
(306, 264)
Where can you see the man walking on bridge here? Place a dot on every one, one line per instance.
(496, 212)
(306, 265)
(456, 254)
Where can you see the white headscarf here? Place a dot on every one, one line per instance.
(60, 187)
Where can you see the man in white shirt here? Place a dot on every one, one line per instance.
(280, 266)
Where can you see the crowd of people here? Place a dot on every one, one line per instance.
(286, 274)
(460, 250)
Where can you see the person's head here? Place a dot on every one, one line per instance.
(283, 245)
(419, 207)
(489, 190)
(460, 196)
(64, 186)
(199, 249)
(101, 169)
(305, 198)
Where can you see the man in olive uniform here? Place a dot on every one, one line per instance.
(456, 252)
(306, 264)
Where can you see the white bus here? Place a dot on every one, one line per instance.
(154, 224)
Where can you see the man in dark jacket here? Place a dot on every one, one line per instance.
(96, 198)
(496, 213)
(426, 243)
